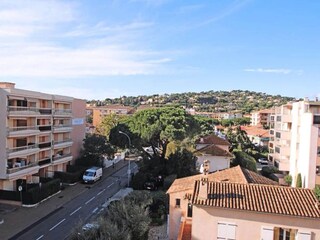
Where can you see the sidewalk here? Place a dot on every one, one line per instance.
(19, 218)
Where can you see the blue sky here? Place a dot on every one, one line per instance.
(97, 49)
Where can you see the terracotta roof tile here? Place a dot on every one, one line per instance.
(214, 151)
(256, 131)
(234, 175)
(212, 139)
(259, 198)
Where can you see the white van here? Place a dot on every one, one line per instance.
(92, 174)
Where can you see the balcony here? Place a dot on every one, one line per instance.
(22, 131)
(286, 118)
(62, 158)
(45, 111)
(22, 111)
(282, 165)
(62, 128)
(21, 171)
(44, 161)
(62, 112)
(45, 128)
(62, 144)
(20, 152)
(45, 145)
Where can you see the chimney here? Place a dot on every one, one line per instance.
(306, 99)
(201, 140)
(206, 167)
(203, 188)
(7, 85)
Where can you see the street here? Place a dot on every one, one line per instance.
(59, 224)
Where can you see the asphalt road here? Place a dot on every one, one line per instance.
(59, 224)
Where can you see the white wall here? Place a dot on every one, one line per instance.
(216, 162)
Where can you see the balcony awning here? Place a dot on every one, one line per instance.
(12, 97)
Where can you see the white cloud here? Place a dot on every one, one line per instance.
(270, 70)
(33, 37)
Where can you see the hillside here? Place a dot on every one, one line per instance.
(210, 101)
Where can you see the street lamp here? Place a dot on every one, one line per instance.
(129, 169)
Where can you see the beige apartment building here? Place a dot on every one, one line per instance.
(294, 146)
(98, 113)
(39, 134)
(262, 117)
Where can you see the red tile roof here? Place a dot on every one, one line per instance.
(234, 175)
(213, 150)
(256, 131)
(296, 202)
(212, 139)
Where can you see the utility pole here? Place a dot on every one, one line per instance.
(129, 169)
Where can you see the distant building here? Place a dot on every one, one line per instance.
(257, 135)
(100, 112)
(294, 147)
(214, 151)
(39, 134)
(262, 117)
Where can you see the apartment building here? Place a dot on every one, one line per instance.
(100, 112)
(294, 146)
(262, 117)
(39, 134)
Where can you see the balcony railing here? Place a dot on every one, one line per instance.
(44, 161)
(44, 145)
(17, 149)
(21, 128)
(58, 157)
(17, 169)
(22, 109)
(63, 141)
(45, 111)
(62, 111)
(45, 128)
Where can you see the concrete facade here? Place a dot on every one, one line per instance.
(295, 141)
(39, 134)
(249, 225)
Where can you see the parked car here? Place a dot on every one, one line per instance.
(150, 186)
(92, 174)
(263, 161)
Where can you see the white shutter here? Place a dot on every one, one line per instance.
(231, 234)
(267, 233)
(222, 230)
(304, 236)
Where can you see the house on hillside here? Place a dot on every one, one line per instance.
(213, 150)
(180, 192)
(257, 135)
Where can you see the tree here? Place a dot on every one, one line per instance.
(182, 163)
(317, 191)
(157, 127)
(288, 179)
(299, 181)
(95, 148)
(244, 160)
(108, 123)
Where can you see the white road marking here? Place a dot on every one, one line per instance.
(90, 200)
(96, 209)
(40, 237)
(110, 185)
(57, 224)
(75, 211)
(100, 192)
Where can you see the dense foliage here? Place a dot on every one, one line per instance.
(210, 101)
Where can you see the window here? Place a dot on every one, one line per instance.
(189, 212)
(226, 231)
(284, 234)
(278, 118)
(177, 202)
(278, 135)
(277, 149)
(316, 119)
(267, 233)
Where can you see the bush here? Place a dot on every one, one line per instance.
(69, 177)
(288, 179)
(244, 160)
(266, 171)
(138, 181)
(317, 191)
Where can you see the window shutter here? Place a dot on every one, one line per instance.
(231, 234)
(276, 233)
(222, 230)
(267, 233)
(304, 236)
